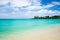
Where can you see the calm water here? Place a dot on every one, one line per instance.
(7, 26)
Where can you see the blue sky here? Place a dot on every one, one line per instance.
(28, 8)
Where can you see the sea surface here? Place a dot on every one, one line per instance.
(8, 26)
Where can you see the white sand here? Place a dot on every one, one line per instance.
(36, 34)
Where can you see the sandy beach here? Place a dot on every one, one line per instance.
(36, 34)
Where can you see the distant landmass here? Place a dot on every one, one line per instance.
(47, 17)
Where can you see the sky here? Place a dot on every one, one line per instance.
(28, 8)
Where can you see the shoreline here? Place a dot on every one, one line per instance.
(36, 34)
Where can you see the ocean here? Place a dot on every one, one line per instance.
(11, 26)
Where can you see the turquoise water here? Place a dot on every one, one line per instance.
(9, 25)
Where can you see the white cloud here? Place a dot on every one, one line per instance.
(34, 7)
(3, 15)
(35, 2)
(19, 3)
(48, 6)
(19, 11)
(49, 12)
(56, 3)
(3, 2)
(51, 5)
(42, 12)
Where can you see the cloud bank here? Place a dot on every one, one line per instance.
(26, 8)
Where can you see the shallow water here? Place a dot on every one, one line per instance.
(19, 26)
(25, 24)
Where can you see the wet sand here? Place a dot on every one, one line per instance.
(36, 34)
